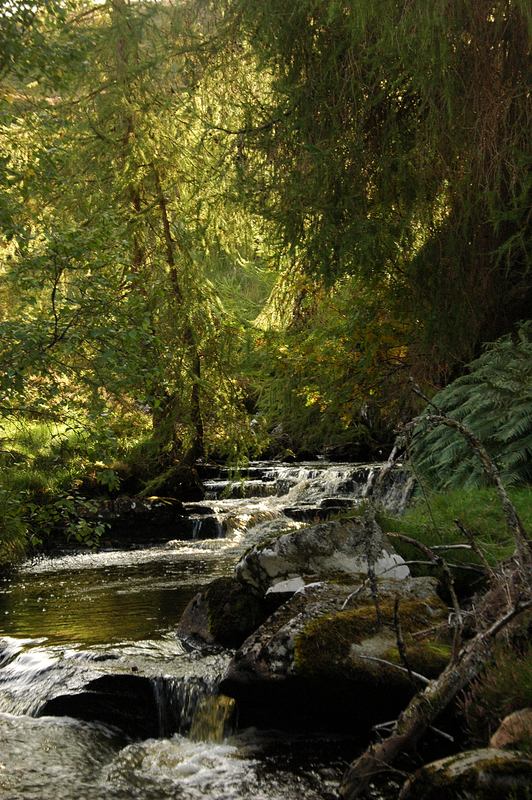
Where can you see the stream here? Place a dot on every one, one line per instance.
(91, 636)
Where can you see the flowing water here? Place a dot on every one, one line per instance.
(90, 631)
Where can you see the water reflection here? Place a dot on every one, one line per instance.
(91, 601)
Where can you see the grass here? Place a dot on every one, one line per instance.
(431, 521)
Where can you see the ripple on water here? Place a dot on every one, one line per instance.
(52, 758)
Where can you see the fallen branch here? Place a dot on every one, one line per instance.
(425, 707)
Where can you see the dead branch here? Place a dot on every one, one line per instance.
(449, 582)
(425, 707)
(417, 675)
(401, 647)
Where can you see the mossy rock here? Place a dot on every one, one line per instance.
(346, 642)
(224, 613)
(308, 661)
(180, 481)
(486, 774)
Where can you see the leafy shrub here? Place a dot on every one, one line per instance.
(12, 529)
(494, 400)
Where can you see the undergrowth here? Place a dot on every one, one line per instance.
(504, 687)
(47, 474)
(431, 520)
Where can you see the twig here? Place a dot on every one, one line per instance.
(401, 647)
(449, 581)
(473, 544)
(410, 673)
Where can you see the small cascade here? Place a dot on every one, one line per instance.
(26, 679)
(303, 493)
(207, 527)
(191, 707)
(212, 718)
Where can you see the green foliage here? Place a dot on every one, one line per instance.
(13, 529)
(431, 521)
(44, 467)
(494, 401)
(392, 147)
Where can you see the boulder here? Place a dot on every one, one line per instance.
(483, 774)
(515, 731)
(180, 482)
(326, 654)
(327, 550)
(225, 613)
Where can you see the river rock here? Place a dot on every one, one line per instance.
(484, 774)
(317, 658)
(225, 613)
(323, 551)
(514, 731)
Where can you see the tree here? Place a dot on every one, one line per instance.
(117, 193)
(392, 150)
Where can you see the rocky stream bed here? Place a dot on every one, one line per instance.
(229, 648)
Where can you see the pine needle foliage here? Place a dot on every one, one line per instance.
(394, 148)
(494, 400)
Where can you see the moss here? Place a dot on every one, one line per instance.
(428, 657)
(179, 481)
(324, 645)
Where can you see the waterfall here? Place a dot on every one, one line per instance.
(303, 492)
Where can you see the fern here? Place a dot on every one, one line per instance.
(494, 400)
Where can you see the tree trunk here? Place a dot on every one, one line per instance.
(197, 448)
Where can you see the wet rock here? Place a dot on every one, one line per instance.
(311, 513)
(515, 731)
(337, 502)
(225, 613)
(318, 658)
(126, 702)
(484, 774)
(328, 549)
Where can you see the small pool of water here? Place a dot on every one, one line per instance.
(107, 597)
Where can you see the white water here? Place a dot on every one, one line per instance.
(65, 621)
